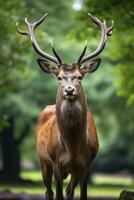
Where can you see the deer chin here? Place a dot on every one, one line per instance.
(70, 97)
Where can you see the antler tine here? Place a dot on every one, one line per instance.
(83, 53)
(105, 32)
(37, 23)
(55, 53)
(30, 33)
(94, 18)
(110, 29)
(20, 31)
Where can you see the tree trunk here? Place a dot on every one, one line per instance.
(126, 195)
(10, 153)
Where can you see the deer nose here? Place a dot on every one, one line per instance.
(69, 90)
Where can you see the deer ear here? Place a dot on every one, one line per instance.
(91, 66)
(47, 67)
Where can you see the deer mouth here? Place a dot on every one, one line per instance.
(70, 97)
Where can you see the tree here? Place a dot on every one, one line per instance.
(10, 51)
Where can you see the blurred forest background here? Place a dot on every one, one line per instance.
(25, 90)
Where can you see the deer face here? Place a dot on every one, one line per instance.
(69, 76)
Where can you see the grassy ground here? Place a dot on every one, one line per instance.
(103, 185)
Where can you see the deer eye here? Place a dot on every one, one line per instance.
(79, 77)
(59, 78)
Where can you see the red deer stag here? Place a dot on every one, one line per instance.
(66, 137)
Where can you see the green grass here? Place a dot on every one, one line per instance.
(103, 185)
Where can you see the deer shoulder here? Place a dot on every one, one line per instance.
(47, 133)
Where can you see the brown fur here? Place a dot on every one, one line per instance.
(48, 136)
(53, 151)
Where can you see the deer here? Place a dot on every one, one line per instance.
(66, 136)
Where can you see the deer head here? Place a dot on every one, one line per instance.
(69, 76)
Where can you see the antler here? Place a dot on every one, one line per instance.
(105, 32)
(30, 33)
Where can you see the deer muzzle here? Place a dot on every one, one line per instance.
(69, 92)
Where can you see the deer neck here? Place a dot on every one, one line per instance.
(71, 119)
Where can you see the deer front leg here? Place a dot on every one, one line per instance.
(47, 178)
(70, 188)
(83, 184)
(58, 182)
